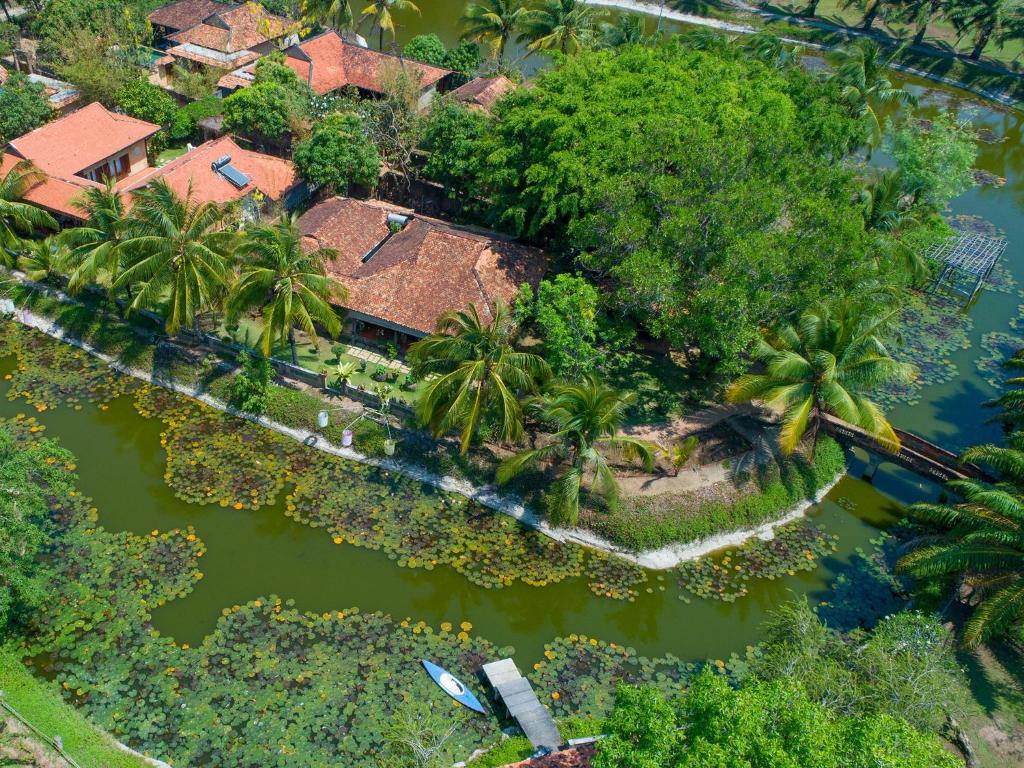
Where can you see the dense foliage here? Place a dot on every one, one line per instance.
(338, 154)
(630, 158)
(23, 107)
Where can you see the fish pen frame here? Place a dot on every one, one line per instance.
(966, 258)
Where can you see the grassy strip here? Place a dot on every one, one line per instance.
(638, 526)
(517, 748)
(41, 704)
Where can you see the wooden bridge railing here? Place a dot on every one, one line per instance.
(915, 453)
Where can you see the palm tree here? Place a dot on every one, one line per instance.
(567, 26)
(888, 201)
(93, 247)
(770, 49)
(823, 364)
(380, 11)
(983, 541)
(1012, 400)
(861, 71)
(16, 216)
(493, 22)
(288, 282)
(1001, 19)
(43, 260)
(870, 8)
(477, 372)
(336, 14)
(176, 249)
(920, 13)
(587, 417)
(627, 29)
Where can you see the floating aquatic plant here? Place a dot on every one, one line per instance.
(795, 547)
(998, 348)
(614, 577)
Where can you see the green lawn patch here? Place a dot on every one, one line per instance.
(40, 703)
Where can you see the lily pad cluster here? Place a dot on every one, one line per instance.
(795, 547)
(998, 348)
(933, 327)
(419, 527)
(578, 674)
(614, 577)
(50, 373)
(866, 589)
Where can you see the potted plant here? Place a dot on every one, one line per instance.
(409, 383)
(346, 370)
(380, 373)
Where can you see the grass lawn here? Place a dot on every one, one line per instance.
(169, 154)
(39, 702)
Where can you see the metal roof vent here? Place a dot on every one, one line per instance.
(223, 166)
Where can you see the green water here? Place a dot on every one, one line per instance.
(251, 554)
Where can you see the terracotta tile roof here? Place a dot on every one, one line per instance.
(426, 269)
(482, 92)
(231, 82)
(238, 28)
(184, 13)
(579, 757)
(272, 176)
(74, 142)
(53, 193)
(328, 63)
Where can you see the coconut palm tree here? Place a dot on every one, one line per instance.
(920, 13)
(493, 22)
(568, 26)
(988, 19)
(336, 14)
(93, 253)
(889, 202)
(16, 216)
(43, 260)
(1011, 402)
(380, 11)
(982, 542)
(861, 71)
(477, 373)
(288, 283)
(587, 418)
(175, 249)
(824, 364)
(871, 9)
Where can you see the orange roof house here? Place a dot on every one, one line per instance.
(328, 63)
(482, 92)
(403, 271)
(84, 148)
(220, 35)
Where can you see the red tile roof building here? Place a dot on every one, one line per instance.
(182, 15)
(328, 63)
(482, 92)
(81, 149)
(405, 280)
(578, 757)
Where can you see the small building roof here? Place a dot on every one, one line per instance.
(233, 29)
(184, 13)
(483, 92)
(78, 140)
(575, 757)
(410, 278)
(327, 62)
(272, 176)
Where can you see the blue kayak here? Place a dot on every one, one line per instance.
(451, 685)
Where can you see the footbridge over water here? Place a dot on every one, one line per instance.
(915, 453)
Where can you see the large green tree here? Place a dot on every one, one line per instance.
(700, 186)
(175, 253)
(18, 218)
(825, 363)
(339, 153)
(288, 283)
(982, 542)
(451, 133)
(477, 375)
(586, 419)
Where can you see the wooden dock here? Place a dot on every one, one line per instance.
(522, 704)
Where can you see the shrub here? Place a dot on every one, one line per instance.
(249, 389)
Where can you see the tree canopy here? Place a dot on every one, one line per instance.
(339, 153)
(23, 107)
(703, 182)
